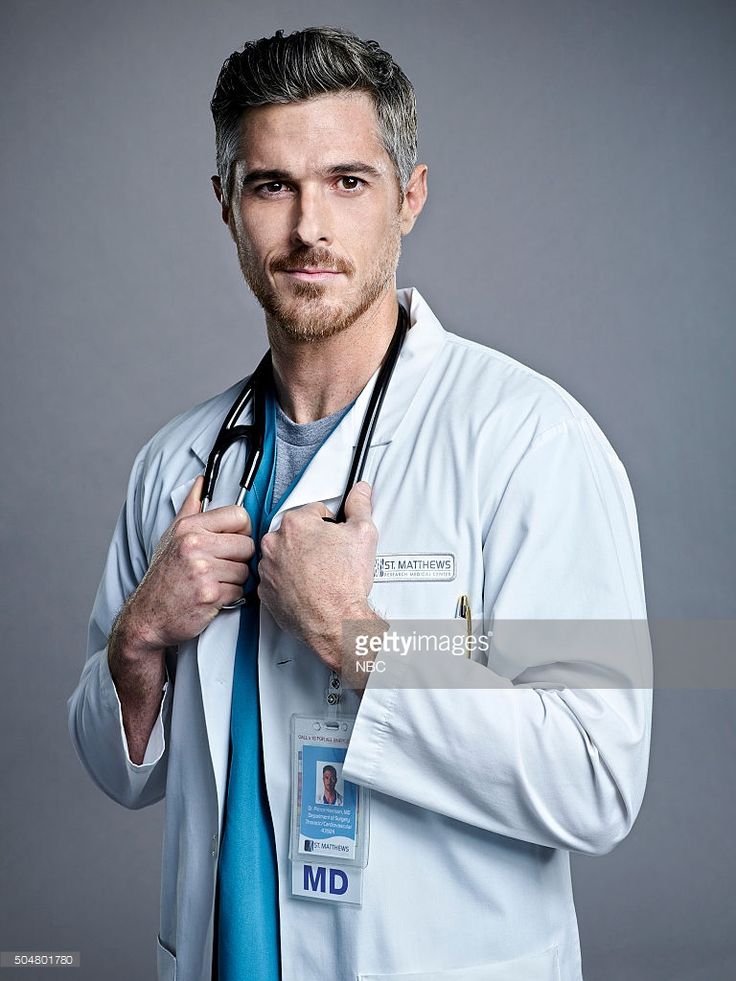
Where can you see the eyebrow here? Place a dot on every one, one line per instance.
(351, 167)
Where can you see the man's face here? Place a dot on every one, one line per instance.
(316, 213)
(329, 780)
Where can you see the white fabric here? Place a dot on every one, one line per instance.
(479, 794)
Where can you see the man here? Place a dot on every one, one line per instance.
(330, 794)
(482, 479)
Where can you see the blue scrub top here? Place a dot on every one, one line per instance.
(248, 912)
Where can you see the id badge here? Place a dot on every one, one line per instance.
(329, 815)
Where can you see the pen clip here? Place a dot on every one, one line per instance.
(464, 613)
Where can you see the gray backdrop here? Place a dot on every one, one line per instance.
(581, 218)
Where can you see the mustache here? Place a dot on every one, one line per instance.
(308, 258)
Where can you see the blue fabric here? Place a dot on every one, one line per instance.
(248, 912)
(248, 919)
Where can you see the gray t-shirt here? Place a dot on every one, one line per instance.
(296, 444)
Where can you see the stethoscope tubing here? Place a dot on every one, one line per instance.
(372, 413)
(254, 433)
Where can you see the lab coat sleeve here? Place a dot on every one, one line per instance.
(562, 767)
(95, 714)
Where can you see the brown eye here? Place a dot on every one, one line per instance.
(350, 183)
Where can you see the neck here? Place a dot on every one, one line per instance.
(318, 377)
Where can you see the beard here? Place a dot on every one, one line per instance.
(305, 311)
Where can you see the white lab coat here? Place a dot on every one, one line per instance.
(479, 794)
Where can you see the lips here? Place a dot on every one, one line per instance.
(311, 265)
(310, 274)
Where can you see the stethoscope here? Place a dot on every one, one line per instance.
(255, 391)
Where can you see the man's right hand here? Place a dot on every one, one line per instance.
(199, 566)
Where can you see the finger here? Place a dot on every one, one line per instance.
(234, 573)
(192, 502)
(234, 548)
(233, 519)
(317, 508)
(230, 594)
(358, 502)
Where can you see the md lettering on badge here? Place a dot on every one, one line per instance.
(325, 883)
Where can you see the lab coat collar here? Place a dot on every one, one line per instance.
(325, 477)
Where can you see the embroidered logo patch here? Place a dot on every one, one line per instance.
(416, 567)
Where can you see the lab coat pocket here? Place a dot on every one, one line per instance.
(165, 963)
(534, 967)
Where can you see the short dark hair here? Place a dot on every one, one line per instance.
(328, 767)
(315, 61)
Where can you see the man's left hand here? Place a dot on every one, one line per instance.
(315, 574)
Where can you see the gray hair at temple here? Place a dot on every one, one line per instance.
(315, 61)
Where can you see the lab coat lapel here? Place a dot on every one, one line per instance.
(326, 475)
(216, 646)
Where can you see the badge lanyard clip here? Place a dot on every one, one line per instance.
(333, 696)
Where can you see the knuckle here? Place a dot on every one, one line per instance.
(295, 518)
(366, 529)
(183, 524)
(189, 543)
(200, 567)
(206, 593)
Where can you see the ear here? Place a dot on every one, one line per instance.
(225, 208)
(415, 196)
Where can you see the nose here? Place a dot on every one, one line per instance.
(313, 221)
